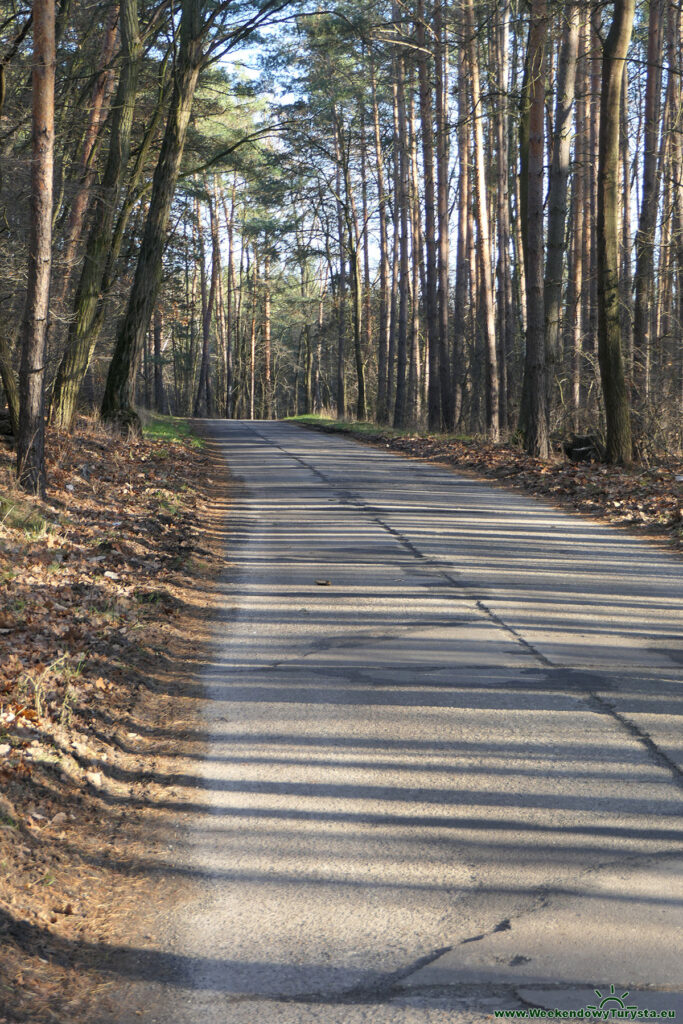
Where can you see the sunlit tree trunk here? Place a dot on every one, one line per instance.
(442, 186)
(341, 288)
(617, 411)
(87, 166)
(483, 239)
(626, 281)
(117, 403)
(159, 403)
(267, 354)
(645, 237)
(402, 201)
(383, 326)
(462, 256)
(431, 253)
(31, 440)
(83, 333)
(557, 197)
(501, 39)
(536, 413)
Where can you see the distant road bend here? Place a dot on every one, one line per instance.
(438, 772)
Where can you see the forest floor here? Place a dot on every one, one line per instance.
(104, 612)
(646, 500)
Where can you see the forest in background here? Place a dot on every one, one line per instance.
(465, 216)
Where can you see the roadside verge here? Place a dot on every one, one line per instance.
(106, 603)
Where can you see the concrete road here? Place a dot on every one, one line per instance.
(444, 756)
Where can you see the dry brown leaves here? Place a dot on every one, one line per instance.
(90, 580)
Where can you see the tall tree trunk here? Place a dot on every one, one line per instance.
(367, 319)
(430, 297)
(201, 395)
(587, 233)
(31, 440)
(462, 253)
(87, 168)
(535, 424)
(677, 188)
(591, 336)
(9, 382)
(159, 403)
(503, 270)
(413, 401)
(645, 237)
(341, 290)
(626, 277)
(267, 356)
(557, 193)
(395, 236)
(617, 412)
(402, 201)
(252, 342)
(230, 290)
(383, 330)
(484, 234)
(208, 304)
(82, 334)
(116, 404)
(442, 183)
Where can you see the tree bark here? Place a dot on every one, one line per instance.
(645, 237)
(462, 265)
(117, 401)
(82, 335)
(535, 423)
(341, 291)
(557, 193)
(31, 440)
(159, 403)
(208, 303)
(483, 240)
(442, 183)
(401, 200)
(87, 168)
(383, 332)
(430, 297)
(267, 379)
(9, 382)
(503, 270)
(617, 411)
(626, 277)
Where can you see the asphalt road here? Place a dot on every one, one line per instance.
(444, 759)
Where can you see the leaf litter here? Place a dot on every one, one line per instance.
(98, 615)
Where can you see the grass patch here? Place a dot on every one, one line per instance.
(16, 514)
(363, 429)
(170, 428)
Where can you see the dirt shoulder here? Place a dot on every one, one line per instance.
(647, 501)
(107, 592)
